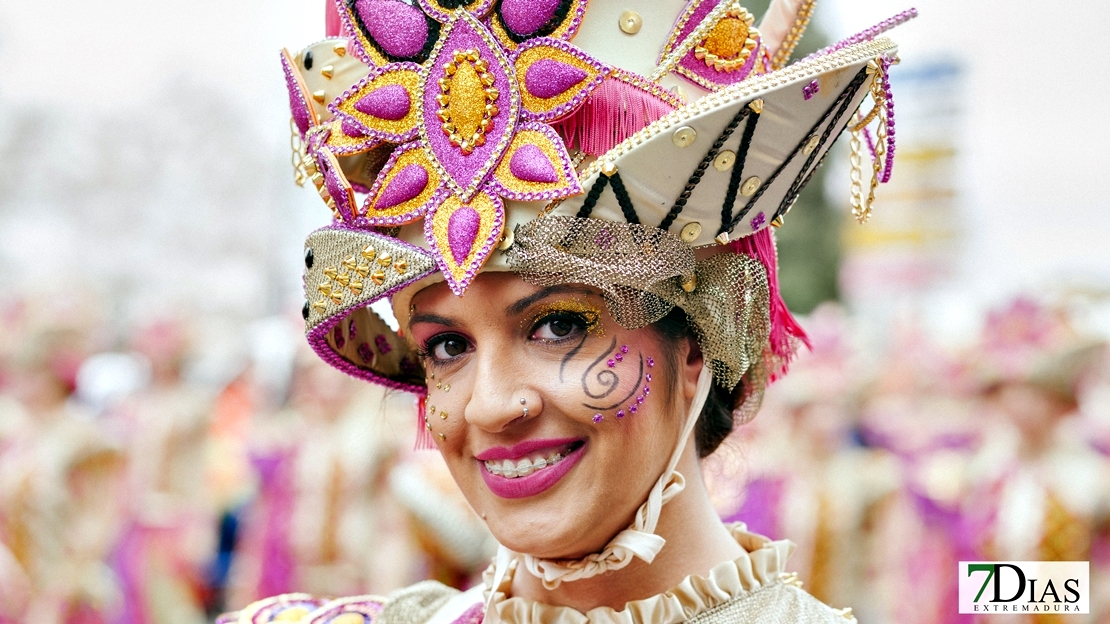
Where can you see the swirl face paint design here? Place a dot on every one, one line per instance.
(609, 380)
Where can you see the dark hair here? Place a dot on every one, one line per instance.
(716, 419)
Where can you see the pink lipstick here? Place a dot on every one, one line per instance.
(501, 470)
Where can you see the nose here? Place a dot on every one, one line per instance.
(502, 396)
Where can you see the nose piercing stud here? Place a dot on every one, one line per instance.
(523, 401)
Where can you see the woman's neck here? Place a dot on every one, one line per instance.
(696, 541)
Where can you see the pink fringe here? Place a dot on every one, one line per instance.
(423, 436)
(786, 333)
(333, 27)
(613, 112)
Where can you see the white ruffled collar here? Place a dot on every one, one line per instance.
(762, 564)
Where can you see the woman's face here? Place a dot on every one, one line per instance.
(601, 422)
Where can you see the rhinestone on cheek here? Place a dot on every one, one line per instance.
(598, 418)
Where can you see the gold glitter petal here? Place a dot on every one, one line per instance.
(533, 54)
(408, 210)
(556, 155)
(406, 78)
(488, 209)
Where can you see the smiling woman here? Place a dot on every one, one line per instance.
(575, 361)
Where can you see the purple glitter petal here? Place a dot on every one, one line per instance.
(610, 363)
(352, 129)
(597, 418)
(650, 362)
(462, 230)
(525, 17)
(624, 348)
(401, 30)
(408, 183)
(531, 164)
(389, 102)
(647, 376)
(618, 357)
(547, 78)
(631, 409)
(297, 104)
(620, 414)
(640, 399)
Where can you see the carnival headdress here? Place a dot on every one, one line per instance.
(647, 159)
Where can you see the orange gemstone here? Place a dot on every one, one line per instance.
(727, 38)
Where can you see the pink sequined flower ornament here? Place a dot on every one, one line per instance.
(471, 127)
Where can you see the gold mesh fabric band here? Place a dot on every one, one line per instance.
(644, 272)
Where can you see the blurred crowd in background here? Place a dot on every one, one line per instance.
(134, 489)
(170, 449)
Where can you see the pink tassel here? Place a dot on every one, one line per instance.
(613, 112)
(786, 333)
(423, 435)
(332, 25)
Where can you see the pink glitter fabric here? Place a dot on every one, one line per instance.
(525, 17)
(462, 230)
(696, 66)
(474, 615)
(408, 183)
(401, 30)
(468, 171)
(297, 104)
(547, 78)
(352, 129)
(531, 164)
(389, 102)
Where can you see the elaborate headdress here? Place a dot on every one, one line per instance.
(648, 158)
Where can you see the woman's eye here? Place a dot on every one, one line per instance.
(448, 348)
(556, 327)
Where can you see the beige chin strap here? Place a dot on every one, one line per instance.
(638, 540)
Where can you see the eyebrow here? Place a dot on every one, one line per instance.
(431, 318)
(522, 305)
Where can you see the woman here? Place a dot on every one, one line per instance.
(573, 366)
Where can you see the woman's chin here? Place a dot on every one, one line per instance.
(551, 534)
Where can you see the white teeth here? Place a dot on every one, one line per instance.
(509, 469)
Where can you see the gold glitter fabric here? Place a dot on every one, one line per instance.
(644, 272)
(776, 604)
(416, 603)
(346, 270)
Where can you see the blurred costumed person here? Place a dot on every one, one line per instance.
(920, 410)
(821, 498)
(575, 243)
(170, 533)
(1048, 490)
(61, 482)
(1094, 410)
(323, 518)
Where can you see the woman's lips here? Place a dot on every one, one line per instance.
(566, 454)
(518, 451)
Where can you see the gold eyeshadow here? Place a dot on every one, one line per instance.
(589, 312)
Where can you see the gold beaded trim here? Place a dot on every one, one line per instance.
(481, 66)
(744, 90)
(782, 55)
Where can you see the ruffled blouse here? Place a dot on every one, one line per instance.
(754, 587)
